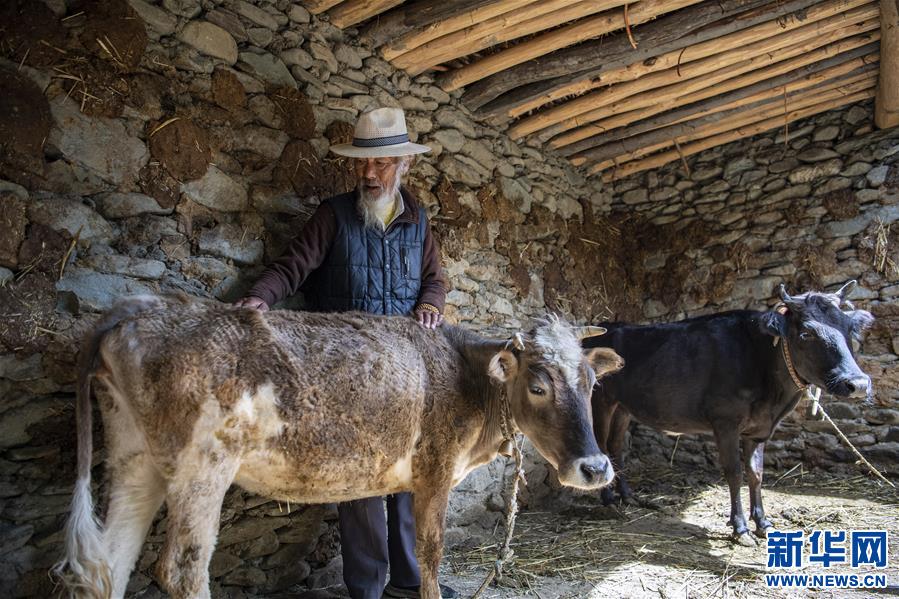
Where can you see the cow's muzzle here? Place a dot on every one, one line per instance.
(856, 386)
(591, 472)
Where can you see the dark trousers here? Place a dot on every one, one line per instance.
(369, 545)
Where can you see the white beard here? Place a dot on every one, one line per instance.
(371, 206)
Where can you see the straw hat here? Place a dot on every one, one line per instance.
(380, 133)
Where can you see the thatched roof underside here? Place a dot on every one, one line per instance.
(621, 87)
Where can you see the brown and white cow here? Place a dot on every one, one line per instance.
(306, 408)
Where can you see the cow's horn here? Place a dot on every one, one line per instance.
(590, 331)
(518, 342)
(846, 289)
(789, 302)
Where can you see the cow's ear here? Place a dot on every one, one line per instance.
(774, 324)
(861, 321)
(503, 366)
(604, 361)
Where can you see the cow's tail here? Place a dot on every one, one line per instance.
(84, 570)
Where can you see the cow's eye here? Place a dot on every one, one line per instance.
(805, 336)
(537, 390)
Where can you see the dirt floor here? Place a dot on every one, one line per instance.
(681, 549)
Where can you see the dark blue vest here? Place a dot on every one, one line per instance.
(369, 270)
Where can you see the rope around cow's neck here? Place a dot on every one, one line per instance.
(505, 552)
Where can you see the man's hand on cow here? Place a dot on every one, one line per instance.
(428, 319)
(252, 302)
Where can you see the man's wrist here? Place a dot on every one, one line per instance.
(426, 307)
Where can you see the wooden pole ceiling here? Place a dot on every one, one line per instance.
(886, 112)
(622, 86)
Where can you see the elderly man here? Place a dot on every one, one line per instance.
(370, 250)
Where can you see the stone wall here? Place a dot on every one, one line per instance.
(177, 146)
(811, 207)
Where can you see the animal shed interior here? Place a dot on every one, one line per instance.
(177, 145)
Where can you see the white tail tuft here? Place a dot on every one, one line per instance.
(85, 568)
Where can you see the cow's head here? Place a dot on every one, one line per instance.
(820, 336)
(549, 380)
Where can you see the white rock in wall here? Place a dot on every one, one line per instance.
(71, 215)
(210, 39)
(877, 175)
(123, 205)
(231, 241)
(261, 140)
(183, 8)
(480, 153)
(267, 67)
(99, 145)
(139, 268)
(297, 56)
(323, 53)
(452, 140)
(348, 56)
(96, 291)
(298, 14)
(254, 14)
(218, 191)
(160, 21)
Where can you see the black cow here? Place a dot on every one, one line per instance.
(735, 375)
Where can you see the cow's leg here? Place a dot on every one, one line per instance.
(429, 506)
(753, 464)
(135, 495)
(136, 487)
(194, 500)
(621, 420)
(728, 442)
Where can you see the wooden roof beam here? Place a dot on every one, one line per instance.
(461, 19)
(350, 12)
(776, 61)
(740, 113)
(410, 16)
(701, 60)
(689, 108)
(538, 81)
(886, 106)
(524, 21)
(658, 160)
(559, 38)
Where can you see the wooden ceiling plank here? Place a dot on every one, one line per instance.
(559, 38)
(410, 16)
(460, 20)
(777, 60)
(742, 113)
(502, 93)
(886, 104)
(663, 158)
(512, 25)
(351, 12)
(319, 6)
(702, 59)
(704, 104)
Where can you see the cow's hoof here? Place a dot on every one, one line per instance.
(762, 531)
(745, 539)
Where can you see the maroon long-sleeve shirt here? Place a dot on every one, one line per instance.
(283, 277)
